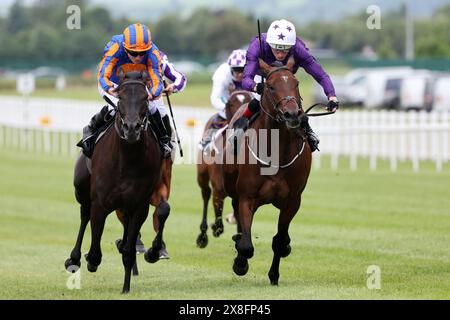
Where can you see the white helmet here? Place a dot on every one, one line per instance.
(281, 35)
(237, 58)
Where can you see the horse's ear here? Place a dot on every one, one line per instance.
(145, 76)
(290, 63)
(265, 68)
(121, 74)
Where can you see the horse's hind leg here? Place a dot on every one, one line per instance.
(280, 242)
(75, 255)
(218, 197)
(163, 211)
(203, 182)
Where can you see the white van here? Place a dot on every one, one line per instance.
(417, 91)
(441, 95)
(376, 84)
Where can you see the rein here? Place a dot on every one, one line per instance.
(281, 166)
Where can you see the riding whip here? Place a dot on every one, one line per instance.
(261, 49)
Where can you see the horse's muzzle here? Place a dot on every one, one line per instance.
(292, 120)
(132, 131)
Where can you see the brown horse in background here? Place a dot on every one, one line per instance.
(211, 173)
(249, 189)
(126, 166)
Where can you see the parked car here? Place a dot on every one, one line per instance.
(376, 85)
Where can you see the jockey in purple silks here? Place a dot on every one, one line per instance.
(279, 44)
(226, 79)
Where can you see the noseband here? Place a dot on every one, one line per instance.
(279, 117)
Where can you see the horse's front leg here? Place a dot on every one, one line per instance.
(163, 211)
(280, 242)
(98, 217)
(74, 262)
(244, 244)
(203, 182)
(137, 218)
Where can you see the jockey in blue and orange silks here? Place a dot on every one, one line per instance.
(131, 51)
(279, 44)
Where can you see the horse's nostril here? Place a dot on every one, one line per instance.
(125, 127)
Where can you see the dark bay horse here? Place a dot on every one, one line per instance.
(249, 189)
(125, 167)
(211, 173)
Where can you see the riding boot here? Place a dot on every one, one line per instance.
(242, 124)
(161, 132)
(167, 125)
(313, 139)
(97, 121)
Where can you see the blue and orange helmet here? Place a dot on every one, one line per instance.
(137, 37)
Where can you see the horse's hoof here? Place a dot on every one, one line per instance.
(217, 230)
(284, 253)
(231, 219)
(274, 278)
(90, 266)
(72, 265)
(119, 245)
(125, 291)
(202, 240)
(240, 266)
(151, 256)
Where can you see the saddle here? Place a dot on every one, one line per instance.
(87, 145)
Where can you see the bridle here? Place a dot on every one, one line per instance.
(144, 122)
(279, 115)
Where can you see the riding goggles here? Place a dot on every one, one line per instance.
(281, 47)
(136, 53)
(237, 69)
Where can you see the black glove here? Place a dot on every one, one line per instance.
(332, 105)
(259, 88)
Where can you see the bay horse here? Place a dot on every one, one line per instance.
(280, 110)
(211, 173)
(125, 167)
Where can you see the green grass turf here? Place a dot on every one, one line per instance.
(348, 221)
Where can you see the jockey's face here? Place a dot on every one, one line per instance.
(238, 76)
(280, 55)
(136, 58)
